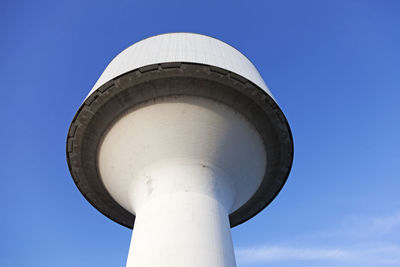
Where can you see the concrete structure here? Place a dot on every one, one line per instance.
(181, 139)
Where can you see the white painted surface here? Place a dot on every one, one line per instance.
(187, 223)
(181, 47)
(182, 129)
(181, 165)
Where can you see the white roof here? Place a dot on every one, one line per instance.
(181, 47)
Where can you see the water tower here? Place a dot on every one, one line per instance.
(180, 139)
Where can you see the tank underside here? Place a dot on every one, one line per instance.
(117, 97)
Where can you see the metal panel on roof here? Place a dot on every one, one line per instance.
(181, 47)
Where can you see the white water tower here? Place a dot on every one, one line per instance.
(180, 139)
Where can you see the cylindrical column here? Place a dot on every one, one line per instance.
(181, 218)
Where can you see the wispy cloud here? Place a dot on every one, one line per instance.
(386, 224)
(368, 249)
(380, 254)
(275, 253)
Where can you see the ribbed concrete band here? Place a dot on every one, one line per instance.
(116, 97)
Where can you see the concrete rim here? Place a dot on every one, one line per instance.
(115, 97)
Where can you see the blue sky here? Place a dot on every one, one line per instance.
(333, 66)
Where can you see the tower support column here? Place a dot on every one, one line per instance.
(181, 219)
